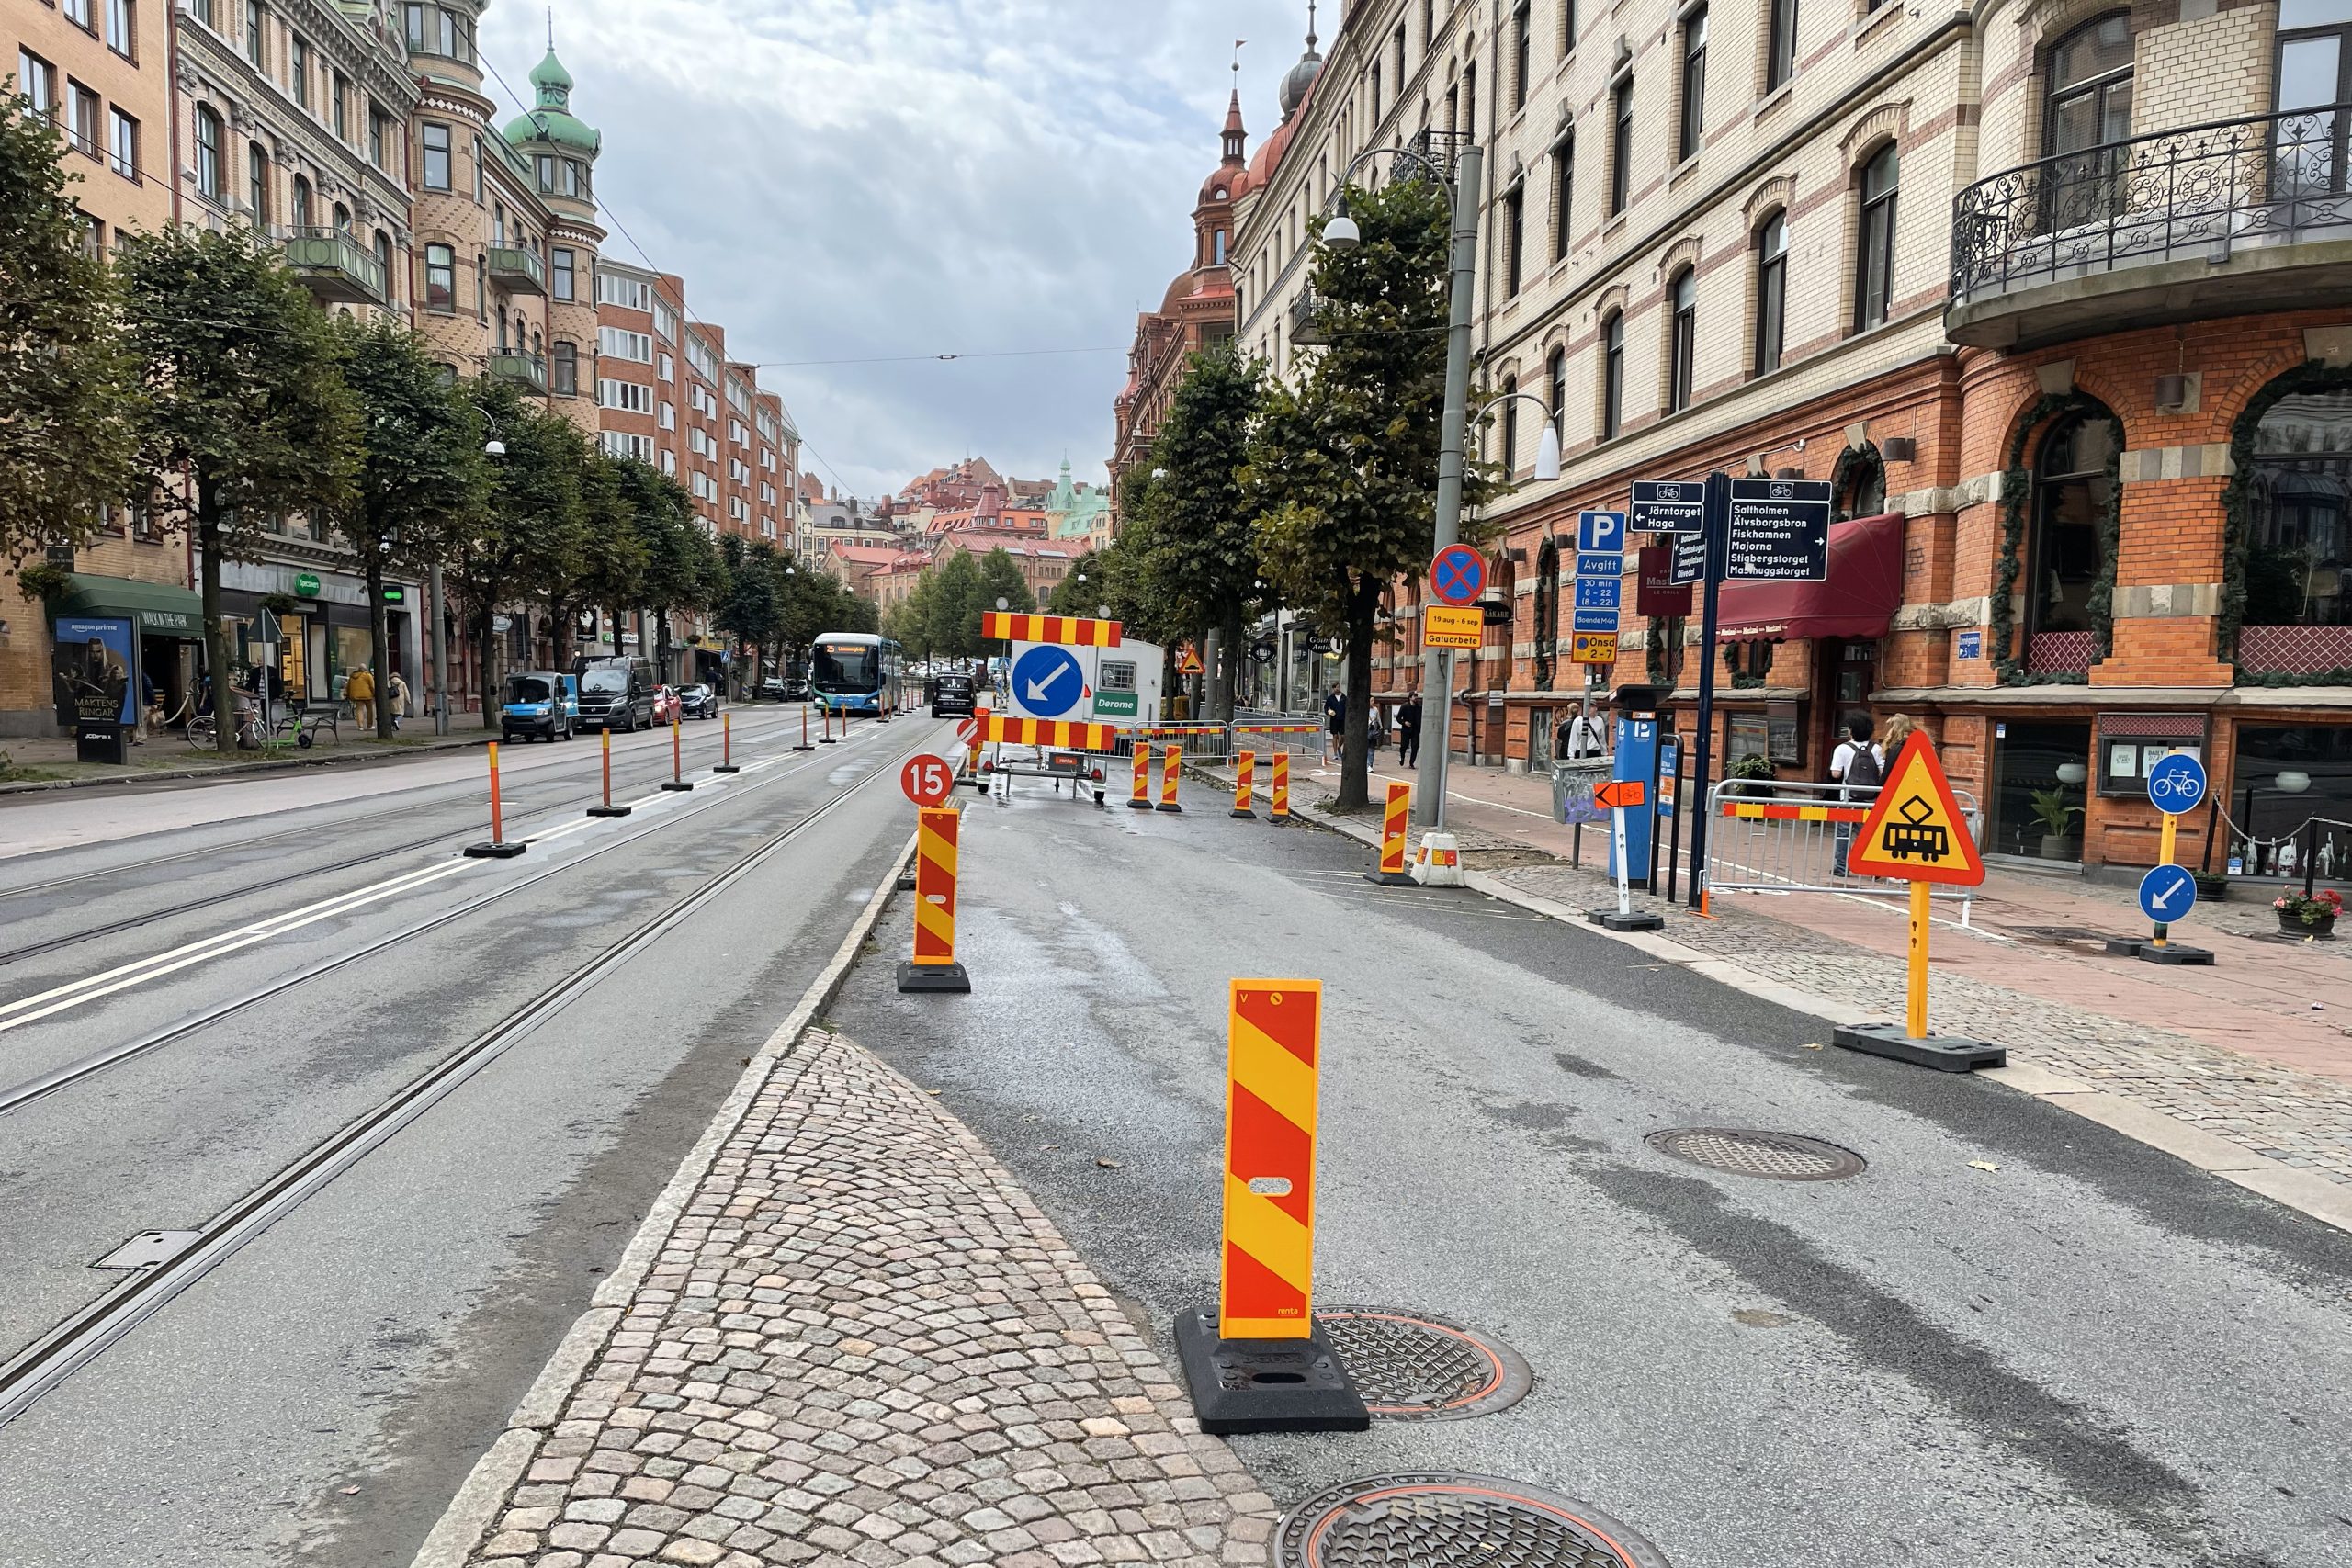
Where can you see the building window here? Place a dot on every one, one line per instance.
(2314, 69)
(440, 278)
(2088, 100)
(1780, 43)
(341, 218)
(1771, 290)
(301, 202)
(257, 183)
(1612, 376)
(1510, 428)
(341, 100)
(1564, 182)
(376, 135)
(1621, 148)
(1217, 249)
(124, 133)
(299, 54)
(2299, 553)
(1682, 343)
(384, 260)
(78, 12)
(1874, 252)
(561, 257)
(576, 178)
(1556, 373)
(84, 131)
(437, 156)
(413, 25)
(480, 162)
(256, 50)
(1695, 85)
(2072, 483)
(1470, 102)
(36, 81)
(543, 168)
(1522, 49)
(122, 27)
(566, 368)
(1514, 238)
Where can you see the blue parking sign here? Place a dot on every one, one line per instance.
(1601, 532)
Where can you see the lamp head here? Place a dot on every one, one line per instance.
(1341, 233)
(493, 447)
(1547, 453)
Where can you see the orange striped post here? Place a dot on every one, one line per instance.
(1245, 778)
(497, 848)
(1391, 870)
(608, 809)
(1141, 799)
(1278, 807)
(805, 743)
(933, 967)
(1172, 764)
(677, 780)
(825, 717)
(727, 745)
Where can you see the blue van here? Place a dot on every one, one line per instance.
(540, 702)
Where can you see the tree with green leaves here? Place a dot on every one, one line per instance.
(68, 394)
(1203, 534)
(244, 405)
(422, 481)
(611, 572)
(747, 608)
(1342, 470)
(683, 573)
(953, 618)
(531, 536)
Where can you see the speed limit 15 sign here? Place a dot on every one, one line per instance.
(928, 780)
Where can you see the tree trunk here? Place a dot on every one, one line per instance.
(661, 637)
(1234, 654)
(379, 637)
(216, 635)
(492, 663)
(1354, 792)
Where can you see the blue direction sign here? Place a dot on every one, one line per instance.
(2176, 782)
(1595, 621)
(1669, 506)
(1610, 565)
(1458, 575)
(1601, 532)
(1047, 681)
(1598, 592)
(1689, 559)
(2167, 893)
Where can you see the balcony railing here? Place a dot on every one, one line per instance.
(2196, 193)
(516, 270)
(526, 371)
(336, 266)
(1305, 330)
(1437, 148)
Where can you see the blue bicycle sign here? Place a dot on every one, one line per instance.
(2176, 782)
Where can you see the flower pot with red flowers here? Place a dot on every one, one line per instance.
(2314, 916)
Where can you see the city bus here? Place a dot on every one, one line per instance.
(854, 672)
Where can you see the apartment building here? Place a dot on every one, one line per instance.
(2046, 291)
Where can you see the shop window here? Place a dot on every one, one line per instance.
(2130, 744)
(1547, 611)
(2074, 485)
(2298, 494)
(2283, 778)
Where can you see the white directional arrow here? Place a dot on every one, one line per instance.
(2164, 901)
(1037, 689)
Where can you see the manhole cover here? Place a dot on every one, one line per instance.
(1778, 1156)
(1414, 1367)
(1447, 1519)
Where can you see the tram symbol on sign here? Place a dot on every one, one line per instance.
(1917, 834)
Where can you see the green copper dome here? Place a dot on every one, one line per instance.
(552, 119)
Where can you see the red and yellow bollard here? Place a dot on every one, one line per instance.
(933, 967)
(1141, 799)
(498, 848)
(727, 745)
(1172, 766)
(1278, 801)
(825, 734)
(677, 780)
(1391, 870)
(608, 809)
(1245, 782)
(806, 744)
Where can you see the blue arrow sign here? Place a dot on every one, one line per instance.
(2167, 893)
(1047, 681)
(1601, 532)
(1598, 592)
(2176, 782)
(1595, 621)
(1604, 565)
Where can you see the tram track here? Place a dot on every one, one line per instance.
(41, 1366)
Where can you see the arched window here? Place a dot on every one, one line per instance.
(1861, 483)
(1875, 240)
(207, 154)
(301, 202)
(1612, 376)
(342, 216)
(2299, 512)
(1547, 611)
(257, 183)
(1772, 291)
(2074, 484)
(1555, 372)
(384, 260)
(1682, 344)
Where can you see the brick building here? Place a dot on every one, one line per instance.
(2047, 292)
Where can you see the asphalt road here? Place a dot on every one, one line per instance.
(2016, 1338)
(320, 1395)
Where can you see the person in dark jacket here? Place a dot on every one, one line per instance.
(1408, 730)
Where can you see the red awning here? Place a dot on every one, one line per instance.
(1856, 600)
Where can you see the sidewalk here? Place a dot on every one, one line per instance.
(2255, 1051)
(43, 763)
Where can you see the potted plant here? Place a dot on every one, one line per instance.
(1754, 766)
(2314, 916)
(2056, 816)
(2212, 888)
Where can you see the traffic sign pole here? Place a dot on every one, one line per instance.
(1914, 1010)
(2164, 857)
(1717, 527)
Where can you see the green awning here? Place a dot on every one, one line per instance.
(157, 609)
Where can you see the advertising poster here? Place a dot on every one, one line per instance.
(94, 669)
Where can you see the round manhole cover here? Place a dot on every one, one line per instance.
(1447, 1519)
(1777, 1156)
(1413, 1366)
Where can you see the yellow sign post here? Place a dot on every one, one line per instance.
(1917, 832)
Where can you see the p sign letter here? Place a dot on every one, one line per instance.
(928, 780)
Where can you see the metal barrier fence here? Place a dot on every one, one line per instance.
(1215, 742)
(1776, 836)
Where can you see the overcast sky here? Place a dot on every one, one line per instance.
(857, 179)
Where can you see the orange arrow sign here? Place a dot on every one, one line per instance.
(1627, 792)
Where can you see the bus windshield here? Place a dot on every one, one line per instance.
(847, 667)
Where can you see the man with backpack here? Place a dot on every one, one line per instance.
(1861, 767)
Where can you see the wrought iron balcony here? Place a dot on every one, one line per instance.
(336, 266)
(2237, 216)
(1305, 331)
(528, 371)
(516, 270)
(1437, 149)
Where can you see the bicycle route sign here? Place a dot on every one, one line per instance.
(2177, 783)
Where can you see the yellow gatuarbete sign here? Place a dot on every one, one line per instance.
(1444, 625)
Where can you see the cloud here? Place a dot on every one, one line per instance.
(871, 179)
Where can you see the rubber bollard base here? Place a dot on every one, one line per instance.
(934, 977)
(726, 768)
(1164, 806)
(1139, 805)
(2175, 953)
(1945, 1053)
(805, 746)
(2125, 946)
(610, 810)
(1278, 820)
(905, 883)
(1243, 811)
(678, 787)
(1265, 1385)
(1390, 879)
(506, 851)
(1609, 919)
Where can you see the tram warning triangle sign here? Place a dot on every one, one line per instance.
(1916, 832)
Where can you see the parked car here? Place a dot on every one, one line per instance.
(616, 694)
(540, 704)
(773, 690)
(699, 701)
(952, 695)
(665, 704)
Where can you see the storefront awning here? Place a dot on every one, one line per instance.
(157, 609)
(1857, 598)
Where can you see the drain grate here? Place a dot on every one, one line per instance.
(1412, 1367)
(1449, 1520)
(1776, 1156)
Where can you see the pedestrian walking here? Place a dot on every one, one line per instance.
(1408, 730)
(396, 691)
(1899, 728)
(1375, 733)
(1335, 724)
(1861, 767)
(1581, 735)
(361, 691)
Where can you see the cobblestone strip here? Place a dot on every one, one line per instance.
(862, 1344)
